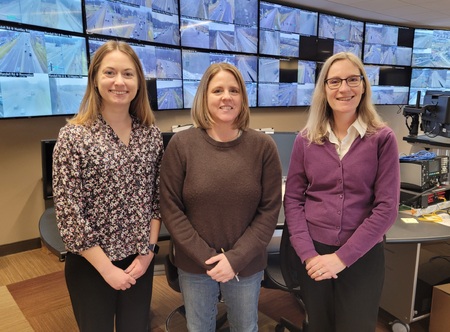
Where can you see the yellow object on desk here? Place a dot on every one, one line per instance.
(410, 220)
(433, 217)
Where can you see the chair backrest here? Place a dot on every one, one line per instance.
(290, 263)
(171, 270)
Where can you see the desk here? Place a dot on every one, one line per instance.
(51, 238)
(437, 141)
(403, 259)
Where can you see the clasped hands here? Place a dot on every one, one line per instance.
(323, 267)
(222, 271)
(123, 279)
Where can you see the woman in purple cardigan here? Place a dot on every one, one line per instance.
(342, 195)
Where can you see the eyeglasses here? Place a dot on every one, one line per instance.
(336, 82)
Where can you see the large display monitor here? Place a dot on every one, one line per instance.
(431, 48)
(56, 14)
(338, 34)
(195, 64)
(425, 79)
(388, 45)
(226, 25)
(41, 73)
(283, 30)
(390, 85)
(285, 82)
(155, 21)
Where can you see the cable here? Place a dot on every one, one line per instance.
(421, 155)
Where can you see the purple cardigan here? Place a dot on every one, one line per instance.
(349, 203)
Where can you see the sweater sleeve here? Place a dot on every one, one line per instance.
(183, 234)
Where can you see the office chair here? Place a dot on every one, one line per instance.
(171, 272)
(282, 273)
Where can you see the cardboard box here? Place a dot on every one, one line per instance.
(440, 309)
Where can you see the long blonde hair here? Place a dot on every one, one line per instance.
(320, 112)
(199, 110)
(91, 104)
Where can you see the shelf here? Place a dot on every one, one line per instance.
(431, 141)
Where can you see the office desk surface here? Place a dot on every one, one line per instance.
(423, 231)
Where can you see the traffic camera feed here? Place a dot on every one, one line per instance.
(423, 79)
(388, 45)
(431, 48)
(281, 28)
(156, 24)
(390, 85)
(283, 82)
(224, 25)
(56, 14)
(48, 69)
(347, 35)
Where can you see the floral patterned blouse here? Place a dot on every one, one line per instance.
(106, 192)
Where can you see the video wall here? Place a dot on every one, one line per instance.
(46, 46)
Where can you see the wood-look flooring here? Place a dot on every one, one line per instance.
(34, 297)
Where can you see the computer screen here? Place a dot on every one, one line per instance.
(285, 143)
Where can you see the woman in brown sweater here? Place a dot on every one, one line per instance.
(220, 200)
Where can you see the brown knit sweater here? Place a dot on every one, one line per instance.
(218, 195)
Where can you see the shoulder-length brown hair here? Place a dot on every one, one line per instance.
(320, 112)
(199, 110)
(91, 104)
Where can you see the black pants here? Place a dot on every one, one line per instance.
(349, 303)
(98, 307)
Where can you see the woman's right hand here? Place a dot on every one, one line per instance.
(118, 279)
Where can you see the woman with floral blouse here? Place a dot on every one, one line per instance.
(106, 166)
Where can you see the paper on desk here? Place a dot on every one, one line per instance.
(445, 219)
(410, 220)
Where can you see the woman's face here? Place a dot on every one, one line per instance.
(117, 80)
(224, 98)
(344, 99)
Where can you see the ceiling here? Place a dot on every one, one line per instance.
(433, 14)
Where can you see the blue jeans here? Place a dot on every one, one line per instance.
(201, 296)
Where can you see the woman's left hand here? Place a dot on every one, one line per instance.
(139, 265)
